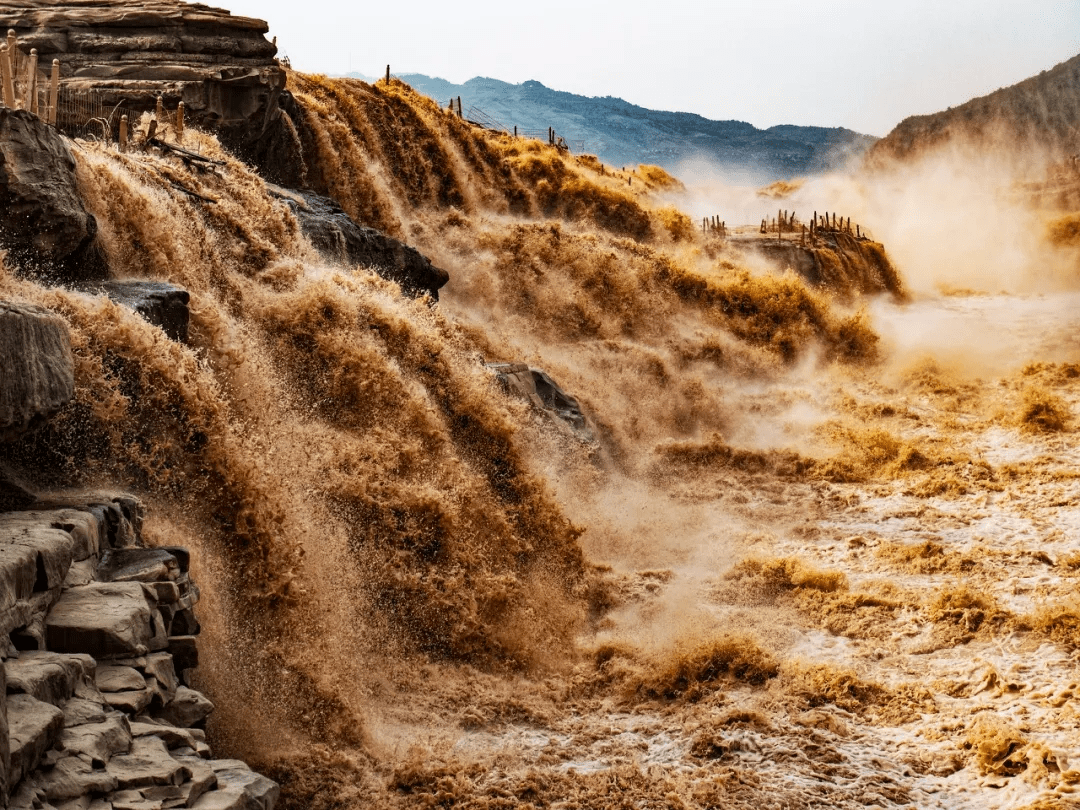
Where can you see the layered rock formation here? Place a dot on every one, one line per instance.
(97, 649)
(97, 631)
(222, 67)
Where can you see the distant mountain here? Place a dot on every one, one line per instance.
(1041, 113)
(620, 133)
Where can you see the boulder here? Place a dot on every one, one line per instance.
(131, 702)
(37, 373)
(47, 676)
(335, 235)
(101, 619)
(203, 776)
(33, 728)
(239, 787)
(187, 708)
(112, 678)
(158, 302)
(43, 224)
(73, 778)
(538, 389)
(79, 711)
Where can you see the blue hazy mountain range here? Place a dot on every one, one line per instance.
(621, 133)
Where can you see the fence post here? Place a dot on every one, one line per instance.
(123, 133)
(180, 121)
(31, 83)
(388, 74)
(9, 84)
(515, 130)
(858, 231)
(460, 114)
(54, 92)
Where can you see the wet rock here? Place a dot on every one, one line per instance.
(340, 239)
(183, 557)
(184, 651)
(203, 776)
(148, 764)
(37, 373)
(187, 709)
(137, 565)
(13, 495)
(101, 619)
(158, 302)
(538, 389)
(43, 224)
(98, 741)
(161, 677)
(184, 623)
(172, 736)
(33, 728)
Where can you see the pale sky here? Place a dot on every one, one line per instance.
(862, 65)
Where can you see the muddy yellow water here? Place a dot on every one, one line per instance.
(824, 553)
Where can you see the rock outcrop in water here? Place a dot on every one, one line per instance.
(43, 223)
(334, 233)
(838, 261)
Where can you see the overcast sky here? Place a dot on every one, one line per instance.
(863, 65)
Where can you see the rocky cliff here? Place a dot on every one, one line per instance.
(97, 631)
(221, 66)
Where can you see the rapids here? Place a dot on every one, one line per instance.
(821, 555)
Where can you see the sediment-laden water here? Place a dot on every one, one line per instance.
(824, 553)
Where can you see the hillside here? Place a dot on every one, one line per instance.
(621, 133)
(1040, 114)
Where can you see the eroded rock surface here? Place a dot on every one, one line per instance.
(43, 224)
(221, 66)
(98, 711)
(37, 373)
(340, 239)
